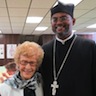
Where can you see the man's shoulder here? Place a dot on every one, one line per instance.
(48, 44)
(85, 40)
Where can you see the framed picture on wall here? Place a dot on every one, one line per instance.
(2, 55)
(10, 50)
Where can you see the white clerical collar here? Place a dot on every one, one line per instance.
(63, 41)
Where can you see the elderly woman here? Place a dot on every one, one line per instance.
(27, 81)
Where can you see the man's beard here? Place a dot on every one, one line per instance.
(65, 32)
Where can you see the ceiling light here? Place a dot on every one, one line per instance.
(0, 31)
(73, 30)
(92, 26)
(34, 19)
(41, 28)
(75, 2)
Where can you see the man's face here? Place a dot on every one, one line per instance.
(62, 24)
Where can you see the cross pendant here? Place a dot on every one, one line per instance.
(54, 86)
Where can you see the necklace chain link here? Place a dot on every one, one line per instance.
(64, 60)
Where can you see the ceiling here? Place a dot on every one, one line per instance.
(13, 14)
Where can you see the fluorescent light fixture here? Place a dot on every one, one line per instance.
(0, 31)
(92, 26)
(41, 28)
(34, 19)
(75, 2)
(55, 4)
(73, 30)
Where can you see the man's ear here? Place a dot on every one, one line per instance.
(74, 20)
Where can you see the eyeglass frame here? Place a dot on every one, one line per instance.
(25, 62)
(61, 19)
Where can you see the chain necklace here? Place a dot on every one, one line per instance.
(55, 85)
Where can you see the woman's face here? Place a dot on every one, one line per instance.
(27, 66)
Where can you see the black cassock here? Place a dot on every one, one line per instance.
(78, 76)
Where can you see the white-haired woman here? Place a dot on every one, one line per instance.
(27, 81)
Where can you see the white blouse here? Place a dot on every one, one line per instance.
(6, 90)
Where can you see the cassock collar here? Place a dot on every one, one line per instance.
(63, 41)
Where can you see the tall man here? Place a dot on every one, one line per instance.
(69, 66)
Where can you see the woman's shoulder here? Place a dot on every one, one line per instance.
(4, 88)
(7, 90)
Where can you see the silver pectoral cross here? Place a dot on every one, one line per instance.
(54, 86)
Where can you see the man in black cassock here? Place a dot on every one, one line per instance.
(69, 66)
